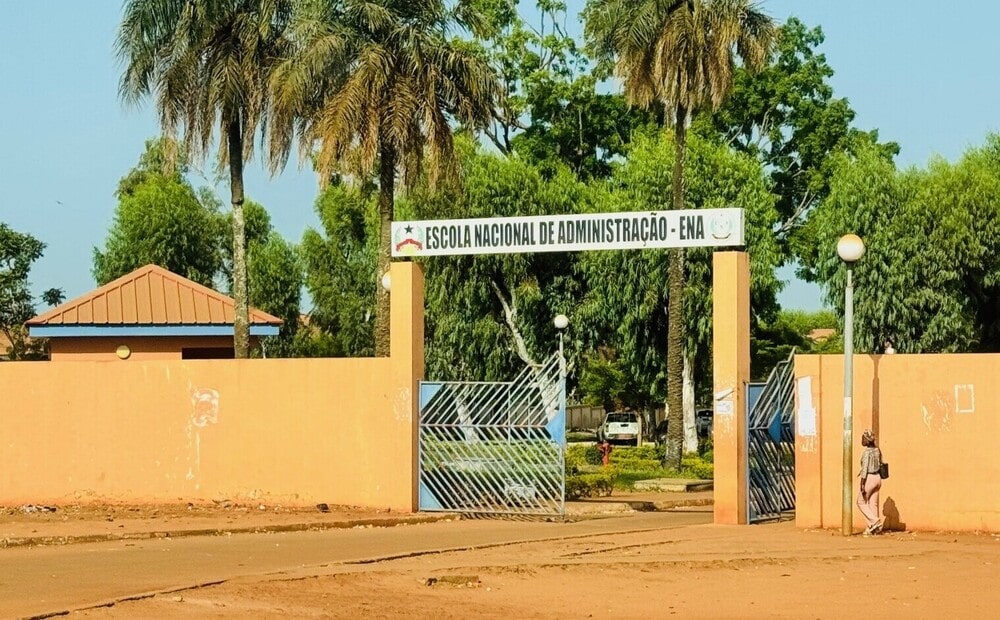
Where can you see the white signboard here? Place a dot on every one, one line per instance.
(694, 228)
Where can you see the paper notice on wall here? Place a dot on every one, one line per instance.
(805, 414)
(724, 407)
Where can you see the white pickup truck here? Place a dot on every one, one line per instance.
(621, 427)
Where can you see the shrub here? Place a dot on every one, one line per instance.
(694, 466)
(582, 455)
(645, 452)
(705, 447)
(589, 485)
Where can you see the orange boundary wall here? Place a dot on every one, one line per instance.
(937, 418)
(296, 431)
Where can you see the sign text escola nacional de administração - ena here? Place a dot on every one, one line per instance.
(690, 228)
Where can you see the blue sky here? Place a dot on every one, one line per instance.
(919, 71)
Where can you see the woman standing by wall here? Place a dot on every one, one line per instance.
(871, 482)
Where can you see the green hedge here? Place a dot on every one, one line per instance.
(629, 465)
(589, 485)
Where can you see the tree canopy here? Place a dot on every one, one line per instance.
(161, 220)
(17, 253)
(930, 278)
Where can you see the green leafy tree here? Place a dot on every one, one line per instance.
(162, 157)
(17, 252)
(605, 380)
(276, 277)
(551, 111)
(529, 58)
(208, 63)
(575, 125)
(930, 278)
(786, 115)
(791, 330)
(53, 296)
(680, 57)
(275, 274)
(257, 224)
(160, 220)
(339, 260)
(378, 85)
(624, 307)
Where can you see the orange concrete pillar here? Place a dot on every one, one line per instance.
(406, 352)
(731, 373)
(809, 381)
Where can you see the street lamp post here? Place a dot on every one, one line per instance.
(850, 248)
(561, 322)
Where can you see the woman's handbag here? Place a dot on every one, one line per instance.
(883, 470)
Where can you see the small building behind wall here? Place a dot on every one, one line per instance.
(148, 314)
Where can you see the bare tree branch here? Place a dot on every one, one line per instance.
(800, 210)
(510, 316)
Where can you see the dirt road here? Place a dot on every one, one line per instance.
(51, 579)
(637, 566)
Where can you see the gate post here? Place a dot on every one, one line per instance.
(406, 353)
(731, 373)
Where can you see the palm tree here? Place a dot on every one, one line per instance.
(377, 84)
(681, 55)
(208, 63)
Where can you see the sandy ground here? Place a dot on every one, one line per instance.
(701, 571)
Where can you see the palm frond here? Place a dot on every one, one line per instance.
(678, 52)
(369, 75)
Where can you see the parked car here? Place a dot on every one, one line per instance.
(620, 426)
(702, 422)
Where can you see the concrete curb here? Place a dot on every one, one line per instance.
(573, 509)
(583, 508)
(33, 541)
(674, 485)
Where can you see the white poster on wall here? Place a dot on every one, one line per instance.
(806, 412)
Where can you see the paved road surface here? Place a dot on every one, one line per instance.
(44, 580)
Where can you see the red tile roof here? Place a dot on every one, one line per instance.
(821, 333)
(150, 295)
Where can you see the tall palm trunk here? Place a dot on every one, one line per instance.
(387, 186)
(241, 320)
(675, 310)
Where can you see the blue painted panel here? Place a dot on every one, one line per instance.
(428, 501)
(556, 427)
(754, 390)
(427, 391)
(774, 430)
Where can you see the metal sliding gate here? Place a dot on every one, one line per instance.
(495, 448)
(771, 446)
